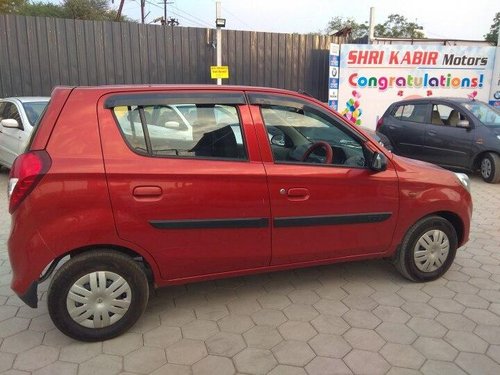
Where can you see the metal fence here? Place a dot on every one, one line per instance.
(38, 53)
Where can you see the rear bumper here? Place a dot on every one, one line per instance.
(30, 297)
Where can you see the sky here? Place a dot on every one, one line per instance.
(456, 19)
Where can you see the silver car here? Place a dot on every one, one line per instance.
(18, 117)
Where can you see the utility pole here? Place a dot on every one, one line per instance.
(119, 12)
(143, 17)
(219, 39)
(371, 33)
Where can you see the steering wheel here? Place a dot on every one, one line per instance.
(320, 144)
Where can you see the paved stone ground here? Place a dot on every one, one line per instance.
(360, 318)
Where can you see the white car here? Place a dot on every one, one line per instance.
(18, 117)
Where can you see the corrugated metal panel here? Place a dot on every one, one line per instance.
(38, 53)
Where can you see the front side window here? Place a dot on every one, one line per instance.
(184, 130)
(305, 136)
(445, 115)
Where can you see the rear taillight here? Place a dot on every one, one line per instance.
(380, 122)
(27, 171)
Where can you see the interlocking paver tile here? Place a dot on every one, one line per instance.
(477, 364)
(36, 358)
(327, 366)
(66, 368)
(254, 361)
(274, 301)
(472, 300)
(331, 307)
(211, 312)
(79, 352)
(434, 348)
(466, 341)
(365, 362)
(21, 341)
(427, 327)
(287, 370)
(294, 353)
(396, 333)
(225, 344)
(200, 329)
(262, 337)
(365, 339)
(330, 324)
(391, 314)
(269, 317)
(294, 330)
(186, 352)
(162, 336)
(300, 312)
(402, 355)
(235, 323)
(123, 345)
(330, 346)
(441, 368)
(361, 319)
(420, 310)
(211, 365)
(307, 297)
(103, 364)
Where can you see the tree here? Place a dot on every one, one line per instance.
(11, 6)
(358, 30)
(398, 26)
(43, 10)
(492, 36)
(97, 10)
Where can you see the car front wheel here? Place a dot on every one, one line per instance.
(97, 295)
(490, 167)
(428, 249)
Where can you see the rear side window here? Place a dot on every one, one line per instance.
(411, 112)
(183, 130)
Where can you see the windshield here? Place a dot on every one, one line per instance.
(34, 110)
(488, 115)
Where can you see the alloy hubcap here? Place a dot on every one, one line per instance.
(431, 250)
(486, 168)
(98, 299)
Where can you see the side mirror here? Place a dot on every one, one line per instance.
(378, 162)
(463, 124)
(10, 123)
(278, 140)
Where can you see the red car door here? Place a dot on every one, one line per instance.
(321, 211)
(187, 183)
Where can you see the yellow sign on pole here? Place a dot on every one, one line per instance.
(217, 72)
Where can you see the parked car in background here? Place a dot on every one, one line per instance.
(269, 180)
(454, 133)
(18, 116)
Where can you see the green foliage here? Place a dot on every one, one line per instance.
(398, 26)
(97, 10)
(43, 10)
(358, 30)
(11, 6)
(492, 36)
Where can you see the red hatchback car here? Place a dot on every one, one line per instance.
(139, 186)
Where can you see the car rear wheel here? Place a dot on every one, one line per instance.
(97, 295)
(490, 167)
(428, 249)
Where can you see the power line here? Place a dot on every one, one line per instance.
(237, 18)
(207, 24)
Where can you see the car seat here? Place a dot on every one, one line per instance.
(436, 118)
(217, 143)
(454, 118)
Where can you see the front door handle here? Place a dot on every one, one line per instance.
(296, 194)
(147, 191)
(432, 132)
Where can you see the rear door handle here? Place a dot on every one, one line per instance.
(147, 191)
(432, 132)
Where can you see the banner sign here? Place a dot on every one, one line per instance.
(374, 76)
(333, 80)
(495, 82)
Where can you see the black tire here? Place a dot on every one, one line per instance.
(405, 258)
(490, 167)
(78, 267)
